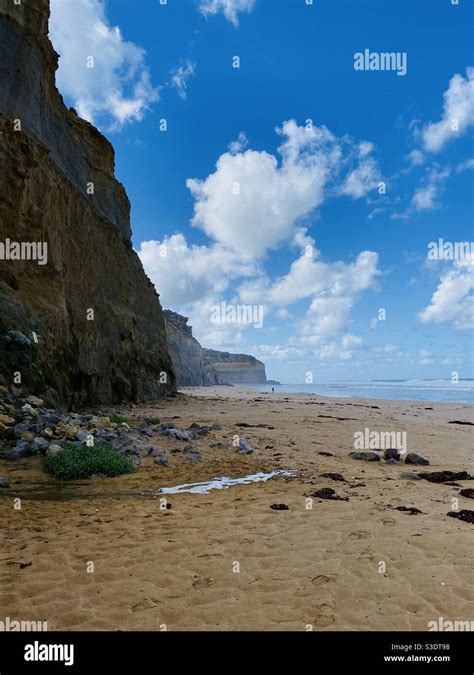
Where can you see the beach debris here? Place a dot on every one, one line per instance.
(253, 426)
(339, 419)
(410, 510)
(4, 482)
(325, 454)
(413, 458)
(244, 447)
(367, 456)
(410, 475)
(446, 476)
(464, 514)
(280, 507)
(391, 453)
(471, 424)
(333, 476)
(221, 483)
(20, 563)
(328, 493)
(467, 492)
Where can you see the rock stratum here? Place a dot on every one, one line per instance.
(236, 368)
(190, 367)
(195, 366)
(86, 327)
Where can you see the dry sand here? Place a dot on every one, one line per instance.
(226, 560)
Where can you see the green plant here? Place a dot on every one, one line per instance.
(81, 461)
(118, 419)
(152, 420)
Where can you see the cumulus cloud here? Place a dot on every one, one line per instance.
(180, 76)
(117, 89)
(252, 203)
(230, 8)
(453, 299)
(458, 113)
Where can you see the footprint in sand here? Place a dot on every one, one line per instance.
(389, 522)
(148, 603)
(323, 579)
(365, 555)
(202, 582)
(325, 616)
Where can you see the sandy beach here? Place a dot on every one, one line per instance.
(107, 553)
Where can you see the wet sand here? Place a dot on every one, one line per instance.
(225, 560)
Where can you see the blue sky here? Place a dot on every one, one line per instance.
(293, 184)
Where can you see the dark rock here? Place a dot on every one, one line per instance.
(467, 492)
(411, 510)
(471, 424)
(446, 476)
(192, 454)
(160, 457)
(329, 493)
(333, 476)
(413, 458)
(4, 482)
(465, 515)
(325, 454)
(220, 446)
(279, 507)
(391, 453)
(393, 461)
(367, 456)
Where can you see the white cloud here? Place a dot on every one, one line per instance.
(426, 196)
(237, 146)
(230, 8)
(118, 88)
(465, 166)
(415, 157)
(458, 113)
(453, 299)
(180, 76)
(251, 203)
(425, 357)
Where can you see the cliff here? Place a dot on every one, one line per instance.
(196, 367)
(236, 368)
(86, 326)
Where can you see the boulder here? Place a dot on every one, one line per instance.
(391, 453)
(244, 447)
(367, 456)
(4, 482)
(413, 458)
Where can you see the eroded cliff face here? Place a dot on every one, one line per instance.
(236, 368)
(185, 351)
(95, 315)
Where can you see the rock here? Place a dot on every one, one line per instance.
(6, 419)
(4, 482)
(328, 493)
(235, 368)
(3, 391)
(53, 450)
(411, 510)
(27, 436)
(467, 492)
(161, 457)
(244, 447)
(391, 453)
(333, 476)
(47, 433)
(464, 514)
(29, 410)
(131, 445)
(367, 456)
(280, 507)
(104, 422)
(192, 454)
(35, 401)
(393, 461)
(413, 458)
(410, 475)
(446, 476)
(40, 443)
(220, 446)
(21, 449)
(68, 430)
(82, 436)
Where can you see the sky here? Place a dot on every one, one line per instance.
(288, 181)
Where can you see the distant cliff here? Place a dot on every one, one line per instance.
(195, 366)
(86, 326)
(236, 368)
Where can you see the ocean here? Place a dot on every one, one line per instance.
(443, 391)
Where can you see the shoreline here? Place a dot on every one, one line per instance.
(175, 566)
